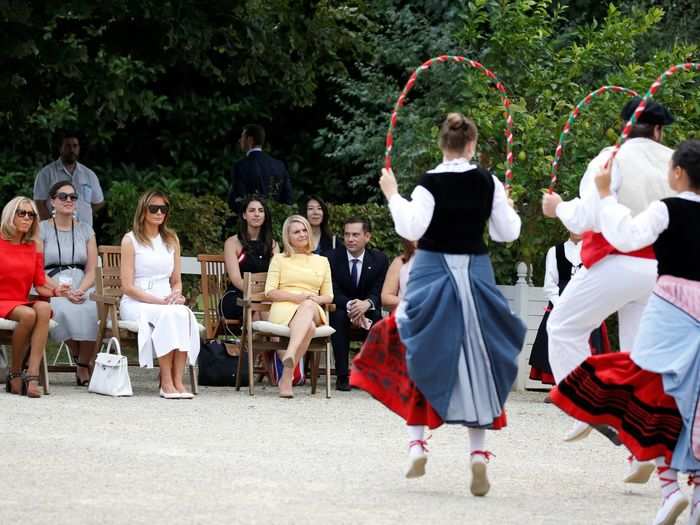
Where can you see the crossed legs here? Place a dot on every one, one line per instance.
(301, 331)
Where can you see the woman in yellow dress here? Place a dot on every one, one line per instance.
(298, 284)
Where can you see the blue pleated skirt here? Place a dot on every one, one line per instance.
(462, 340)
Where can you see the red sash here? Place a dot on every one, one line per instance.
(596, 248)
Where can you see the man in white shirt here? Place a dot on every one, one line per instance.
(615, 281)
(67, 167)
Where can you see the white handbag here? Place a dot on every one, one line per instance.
(111, 374)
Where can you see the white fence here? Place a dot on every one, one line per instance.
(528, 302)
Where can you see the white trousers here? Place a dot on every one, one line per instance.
(618, 283)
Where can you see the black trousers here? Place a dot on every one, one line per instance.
(341, 338)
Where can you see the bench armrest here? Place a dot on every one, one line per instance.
(103, 299)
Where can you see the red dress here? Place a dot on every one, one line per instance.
(21, 266)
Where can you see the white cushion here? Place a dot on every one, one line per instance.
(281, 330)
(133, 326)
(6, 324)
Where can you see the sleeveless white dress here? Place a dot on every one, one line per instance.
(162, 327)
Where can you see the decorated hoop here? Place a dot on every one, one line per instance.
(688, 66)
(586, 101)
(467, 62)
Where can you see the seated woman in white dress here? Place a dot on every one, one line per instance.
(150, 274)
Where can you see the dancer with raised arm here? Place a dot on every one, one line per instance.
(650, 396)
(461, 339)
(615, 281)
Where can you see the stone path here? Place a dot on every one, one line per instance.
(74, 457)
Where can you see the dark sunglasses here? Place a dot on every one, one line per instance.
(155, 208)
(26, 213)
(63, 196)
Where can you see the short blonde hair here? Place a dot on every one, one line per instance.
(288, 249)
(7, 222)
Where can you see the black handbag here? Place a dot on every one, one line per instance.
(218, 368)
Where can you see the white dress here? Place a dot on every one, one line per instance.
(162, 327)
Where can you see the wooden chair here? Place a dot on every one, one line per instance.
(214, 283)
(6, 328)
(263, 336)
(108, 293)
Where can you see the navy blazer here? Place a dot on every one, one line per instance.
(259, 173)
(374, 267)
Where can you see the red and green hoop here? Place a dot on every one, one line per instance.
(678, 68)
(467, 62)
(586, 101)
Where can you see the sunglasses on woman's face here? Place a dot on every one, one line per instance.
(63, 196)
(26, 213)
(155, 208)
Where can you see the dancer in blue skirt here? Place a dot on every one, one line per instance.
(461, 338)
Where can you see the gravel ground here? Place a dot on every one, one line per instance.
(74, 457)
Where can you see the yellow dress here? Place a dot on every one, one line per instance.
(299, 273)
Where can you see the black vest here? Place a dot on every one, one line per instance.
(463, 204)
(678, 247)
(564, 267)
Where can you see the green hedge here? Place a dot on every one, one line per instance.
(201, 223)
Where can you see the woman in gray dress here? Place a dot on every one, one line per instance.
(70, 257)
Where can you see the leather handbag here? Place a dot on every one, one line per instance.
(217, 367)
(111, 374)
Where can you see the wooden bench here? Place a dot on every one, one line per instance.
(214, 282)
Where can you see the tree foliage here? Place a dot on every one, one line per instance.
(160, 91)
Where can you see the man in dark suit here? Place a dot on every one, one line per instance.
(258, 173)
(358, 276)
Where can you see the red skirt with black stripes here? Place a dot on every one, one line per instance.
(611, 389)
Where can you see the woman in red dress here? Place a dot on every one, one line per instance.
(21, 266)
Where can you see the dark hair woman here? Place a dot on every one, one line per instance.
(316, 212)
(248, 251)
(70, 257)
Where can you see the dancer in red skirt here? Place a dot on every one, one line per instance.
(449, 353)
(650, 396)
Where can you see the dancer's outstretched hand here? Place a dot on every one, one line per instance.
(550, 201)
(603, 180)
(387, 182)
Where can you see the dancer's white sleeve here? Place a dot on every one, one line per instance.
(504, 223)
(551, 276)
(581, 214)
(627, 233)
(412, 218)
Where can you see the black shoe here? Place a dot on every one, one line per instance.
(343, 384)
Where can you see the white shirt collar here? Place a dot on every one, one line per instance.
(690, 195)
(360, 257)
(251, 150)
(459, 165)
(572, 252)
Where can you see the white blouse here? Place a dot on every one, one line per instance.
(627, 233)
(572, 252)
(412, 218)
